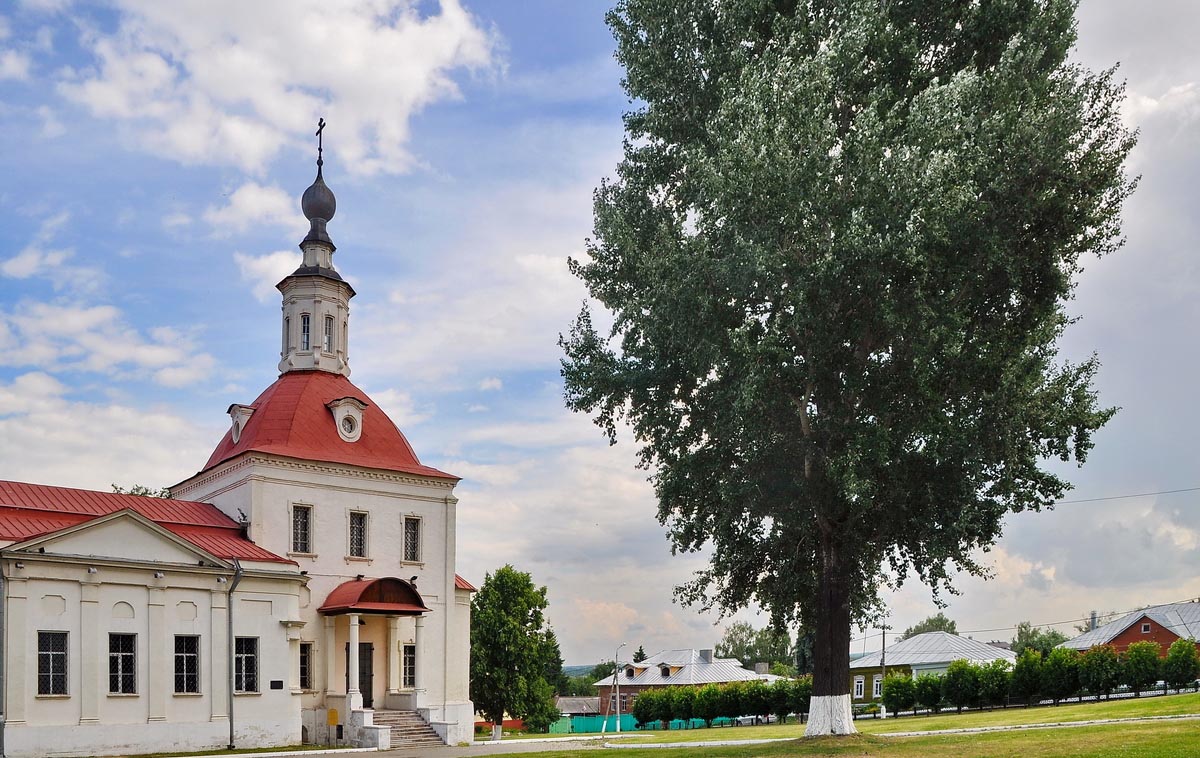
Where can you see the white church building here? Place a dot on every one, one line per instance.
(300, 587)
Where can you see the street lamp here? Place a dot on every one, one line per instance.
(617, 682)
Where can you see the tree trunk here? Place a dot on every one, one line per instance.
(829, 711)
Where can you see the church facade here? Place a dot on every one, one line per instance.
(300, 587)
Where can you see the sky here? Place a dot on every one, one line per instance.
(153, 156)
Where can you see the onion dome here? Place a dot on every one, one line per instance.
(318, 202)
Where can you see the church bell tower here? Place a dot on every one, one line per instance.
(316, 300)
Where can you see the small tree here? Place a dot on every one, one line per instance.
(781, 695)
(756, 699)
(730, 702)
(994, 680)
(1141, 667)
(1100, 670)
(512, 650)
(645, 706)
(1060, 674)
(664, 706)
(960, 685)
(707, 704)
(682, 702)
(935, 623)
(639, 655)
(899, 692)
(928, 691)
(1182, 664)
(1027, 676)
(802, 690)
(1041, 640)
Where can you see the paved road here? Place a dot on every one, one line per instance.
(485, 748)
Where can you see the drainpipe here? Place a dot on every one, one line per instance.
(3, 651)
(237, 578)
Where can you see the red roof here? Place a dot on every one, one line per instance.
(463, 584)
(385, 595)
(291, 419)
(32, 510)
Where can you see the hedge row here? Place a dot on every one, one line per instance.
(1062, 674)
(713, 701)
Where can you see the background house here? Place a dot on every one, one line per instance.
(928, 653)
(672, 668)
(1160, 623)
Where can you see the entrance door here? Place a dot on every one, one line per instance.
(366, 672)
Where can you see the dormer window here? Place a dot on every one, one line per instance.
(665, 671)
(348, 417)
(329, 334)
(629, 672)
(239, 414)
(305, 333)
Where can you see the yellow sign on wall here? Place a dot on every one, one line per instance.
(333, 717)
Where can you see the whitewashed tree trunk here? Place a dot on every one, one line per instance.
(497, 732)
(829, 714)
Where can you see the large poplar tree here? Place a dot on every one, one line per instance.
(838, 252)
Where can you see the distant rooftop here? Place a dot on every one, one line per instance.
(934, 647)
(685, 666)
(1182, 619)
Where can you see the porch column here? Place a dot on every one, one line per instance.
(419, 674)
(330, 642)
(394, 655)
(353, 695)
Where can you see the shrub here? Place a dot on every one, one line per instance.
(1100, 670)
(994, 680)
(802, 695)
(899, 692)
(756, 699)
(664, 706)
(1026, 681)
(730, 703)
(1141, 665)
(928, 691)
(781, 695)
(707, 703)
(960, 685)
(645, 707)
(682, 701)
(1182, 664)
(1060, 673)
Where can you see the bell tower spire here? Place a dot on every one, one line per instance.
(316, 300)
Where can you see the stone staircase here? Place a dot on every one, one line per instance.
(408, 729)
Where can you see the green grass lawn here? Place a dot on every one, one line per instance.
(1179, 739)
(1168, 705)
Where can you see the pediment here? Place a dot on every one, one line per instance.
(123, 535)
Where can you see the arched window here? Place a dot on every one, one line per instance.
(305, 340)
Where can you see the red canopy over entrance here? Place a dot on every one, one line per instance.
(388, 595)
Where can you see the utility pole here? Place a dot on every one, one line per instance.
(883, 630)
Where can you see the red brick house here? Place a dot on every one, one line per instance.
(1160, 623)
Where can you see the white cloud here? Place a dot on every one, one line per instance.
(253, 205)
(5, 28)
(51, 126)
(263, 272)
(176, 220)
(14, 65)
(46, 436)
(96, 338)
(491, 383)
(243, 80)
(40, 259)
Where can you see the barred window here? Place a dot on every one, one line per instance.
(245, 664)
(329, 334)
(187, 664)
(306, 651)
(305, 340)
(301, 529)
(358, 534)
(52, 663)
(412, 539)
(122, 664)
(410, 666)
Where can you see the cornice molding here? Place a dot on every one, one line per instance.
(317, 467)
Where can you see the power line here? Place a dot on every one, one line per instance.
(1126, 497)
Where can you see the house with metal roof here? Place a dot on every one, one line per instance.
(1159, 623)
(928, 653)
(686, 667)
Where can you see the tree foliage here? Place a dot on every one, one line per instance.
(142, 490)
(1060, 674)
(899, 692)
(1041, 640)
(1027, 675)
(513, 651)
(1100, 670)
(960, 684)
(639, 655)
(994, 681)
(1182, 664)
(750, 646)
(936, 623)
(927, 689)
(837, 253)
(1141, 665)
